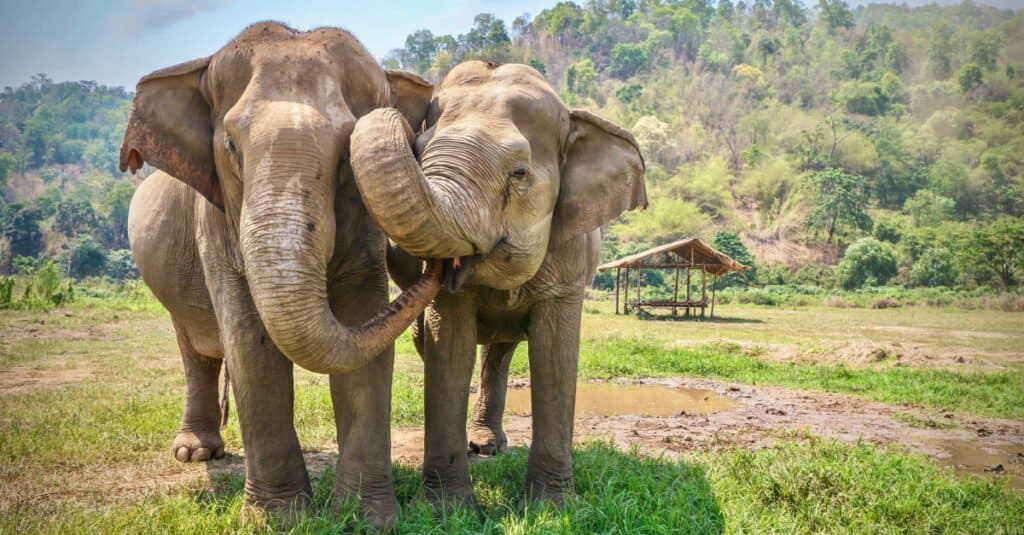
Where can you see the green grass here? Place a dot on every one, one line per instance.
(987, 393)
(806, 487)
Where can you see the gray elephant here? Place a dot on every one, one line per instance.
(254, 237)
(514, 187)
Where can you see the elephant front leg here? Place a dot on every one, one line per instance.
(449, 342)
(261, 379)
(486, 435)
(554, 354)
(199, 438)
(362, 411)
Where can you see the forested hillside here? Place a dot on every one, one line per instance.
(803, 131)
(63, 197)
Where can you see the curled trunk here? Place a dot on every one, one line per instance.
(287, 237)
(418, 212)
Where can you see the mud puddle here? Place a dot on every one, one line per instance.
(1003, 460)
(611, 399)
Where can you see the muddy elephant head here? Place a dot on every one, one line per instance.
(505, 173)
(261, 129)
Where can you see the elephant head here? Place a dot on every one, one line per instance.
(505, 173)
(261, 130)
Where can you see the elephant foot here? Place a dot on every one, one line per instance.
(443, 498)
(379, 509)
(279, 513)
(554, 494)
(197, 446)
(484, 440)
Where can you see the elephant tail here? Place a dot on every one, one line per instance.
(225, 407)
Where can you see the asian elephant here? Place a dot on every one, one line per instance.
(512, 186)
(253, 235)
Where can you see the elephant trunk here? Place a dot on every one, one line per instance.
(287, 239)
(428, 215)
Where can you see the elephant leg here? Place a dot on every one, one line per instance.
(554, 354)
(199, 438)
(362, 412)
(486, 434)
(449, 344)
(262, 381)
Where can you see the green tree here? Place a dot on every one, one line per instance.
(121, 265)
(730, 244)
(87, 257)
(935, 267)
(995, 253)
(969, 77)
(836, 14)
(868, 262)
(628, 59)
(839, 199)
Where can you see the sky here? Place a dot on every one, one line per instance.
(115, 42)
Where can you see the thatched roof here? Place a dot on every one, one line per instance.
(680, 254)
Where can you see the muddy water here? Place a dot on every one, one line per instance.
(984, 460)
(606, 399)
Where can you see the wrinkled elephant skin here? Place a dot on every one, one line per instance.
(253, 235)
(516, 187)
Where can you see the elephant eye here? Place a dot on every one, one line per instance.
(519, 172)
(230, 144)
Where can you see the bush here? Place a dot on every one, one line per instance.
(934, 268)
(121, 265)
(88, 257)
(730, 244)
(868, 262)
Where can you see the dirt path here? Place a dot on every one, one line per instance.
(762, 415)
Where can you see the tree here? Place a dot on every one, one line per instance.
(868, 262)
(836, 14)
(730, 244)
(969, 77)
(87, 257)
(23, 230)
(995, 253)
(934, 268)
(940, 51)
(628, 59)
(121, 265)
(839, 199)
(419, 51)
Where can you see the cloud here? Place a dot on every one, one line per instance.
(142, 16)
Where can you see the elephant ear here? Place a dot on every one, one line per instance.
(170, 128)
(602, 176)
(410, 94)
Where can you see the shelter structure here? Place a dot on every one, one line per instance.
(683, 255)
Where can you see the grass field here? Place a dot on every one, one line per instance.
(91, 395)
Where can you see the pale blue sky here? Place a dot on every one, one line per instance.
(115, 42)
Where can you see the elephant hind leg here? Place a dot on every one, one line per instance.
(199, 438)
(486, 435)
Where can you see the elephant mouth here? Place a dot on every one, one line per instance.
(458, 270)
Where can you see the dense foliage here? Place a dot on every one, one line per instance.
(800, 128)
(63, 196)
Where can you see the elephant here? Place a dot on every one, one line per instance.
(511, 187)
(253, 235)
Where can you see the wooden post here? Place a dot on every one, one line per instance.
(638, 287)
(714, 287)
(618, 273)
(675, 294)
(689, 270)
(625, 293)
(703, 292)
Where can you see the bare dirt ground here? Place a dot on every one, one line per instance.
(762, 416)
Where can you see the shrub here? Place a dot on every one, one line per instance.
(868, 262)
(934, 268)
(121, 265)
(88, 257)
